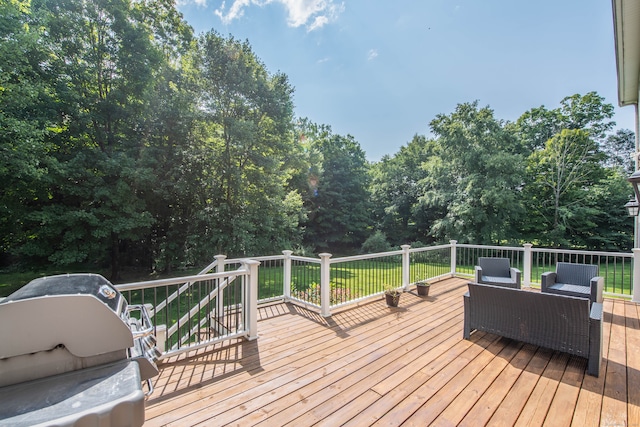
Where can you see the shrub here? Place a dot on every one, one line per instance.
(376, 243)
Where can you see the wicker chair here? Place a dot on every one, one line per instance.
(497, 271)
(568, 324)
(578, 280)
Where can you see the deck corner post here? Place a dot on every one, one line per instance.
(527, 265)
(220, 259)
(454, 251)
(406, 267)
(252, 299)
(286, 285)
(325, 284)
(635, 283)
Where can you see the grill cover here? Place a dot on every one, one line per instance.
(73, 284)
(61, 323)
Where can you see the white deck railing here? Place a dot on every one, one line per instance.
(196, 311)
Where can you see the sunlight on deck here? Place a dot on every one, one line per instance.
(374, 365)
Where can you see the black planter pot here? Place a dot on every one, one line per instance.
(392, 299)
(423, 290)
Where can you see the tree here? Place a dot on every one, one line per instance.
(619, 148)
(608, 228)
(564, 163)
(475, 178)
(247, 123)
(395, 193)
(559, 180)
(586, 112)
(102, 61)
(107, 56)
(27, 117)
(339, 218)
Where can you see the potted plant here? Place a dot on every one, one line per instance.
(392, 295)
(423, 288)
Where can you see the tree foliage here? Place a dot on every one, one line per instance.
(27, 114)
(560, 178)
(399, 207)
(125, 141)
(137, 143)
(475, 177)
(567, 169)
(554, 177)
(586, 112)
(619, 149)
(338, 197)
(248, 116)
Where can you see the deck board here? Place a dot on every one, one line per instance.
(374, 365)
(614, 410)
(633, 363)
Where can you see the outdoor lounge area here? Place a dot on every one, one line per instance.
(375, 365)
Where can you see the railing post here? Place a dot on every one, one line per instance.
(406, 267)
(286, 285)
(220, 263)
(252, 299)
(635, 296)
(220, 298)
(325, 284)
(454, 262)
(161, 337)
(527, 265)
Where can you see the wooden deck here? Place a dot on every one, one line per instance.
(374, 365)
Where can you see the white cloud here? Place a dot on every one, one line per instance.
(312, 13)
(236, 10)
(318, 22)
(300, 11)
(373, 54)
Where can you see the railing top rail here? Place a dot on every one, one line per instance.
(430, 248)
(179, 280)
(503, 248)
(208, 267)
(306, 259)
(579, 252)
(366, 256)
(255, 258)
(271, 258)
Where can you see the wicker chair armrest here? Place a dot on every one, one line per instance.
(515, 276)
(595, 339)
(548, 279)
(466, 330)
(478, 273)
(597, 288)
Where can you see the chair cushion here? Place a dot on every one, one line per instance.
(496, 279)
(569, 289)
(499, 281)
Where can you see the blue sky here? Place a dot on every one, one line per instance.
(382, 70)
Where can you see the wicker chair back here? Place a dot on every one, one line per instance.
(496, 267)
(575, 274)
